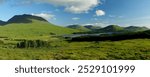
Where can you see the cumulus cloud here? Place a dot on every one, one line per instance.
(75, 18)
(45, 15)
(73, 6)
(100, 13)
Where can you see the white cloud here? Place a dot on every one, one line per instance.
(45, 15)
(100, 13)
(73, 6)
(75, 18)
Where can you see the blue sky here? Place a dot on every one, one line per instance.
(66, 12)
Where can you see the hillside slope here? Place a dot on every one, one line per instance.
(78, 27)
(92, 27)
(135, 28)
(27, 26)
(111, 28)
(116, 28)
(25, 18)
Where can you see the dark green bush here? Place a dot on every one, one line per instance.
(52, 33)
(1, 42)
(32, 44)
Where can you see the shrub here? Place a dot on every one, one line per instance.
(32, 44)
(52, 33)
(1, 42)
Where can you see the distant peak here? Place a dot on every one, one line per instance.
(2, 22)
(25, 18)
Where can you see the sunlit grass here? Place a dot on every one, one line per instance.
(128, 49)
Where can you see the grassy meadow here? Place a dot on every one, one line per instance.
(42, 41)
(63, 50)
(38, 29)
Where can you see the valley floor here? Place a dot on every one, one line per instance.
(136, 49)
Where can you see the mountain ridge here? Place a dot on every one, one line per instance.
(136, 28)
(109, 28)
(25, 18)
(117, 28)
(78, 27)
(34, 27)
(2, 23)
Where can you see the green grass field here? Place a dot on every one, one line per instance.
(36, 29)
(59, 49)
(137, 49)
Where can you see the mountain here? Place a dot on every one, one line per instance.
(25, 18)
(28, 26)
(86, 28)
(135, 28)
(116, 28)
(92, 27)
(111, 28)
(2, 23)
(78, 27)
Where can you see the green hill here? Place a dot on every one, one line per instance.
(25, 18)
(116, 28)
(78, 27)
(92, 27)
(28, 26)
(135, 28)
(111, 28)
